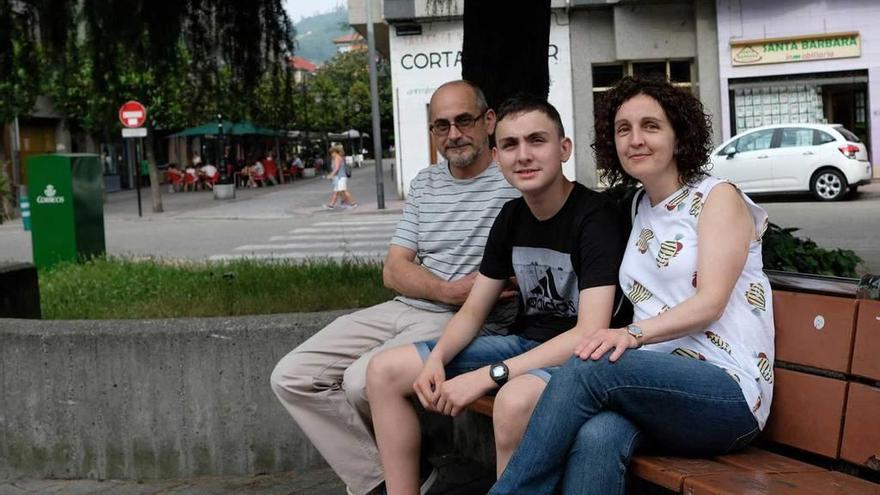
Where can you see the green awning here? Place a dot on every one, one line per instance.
(230, 129)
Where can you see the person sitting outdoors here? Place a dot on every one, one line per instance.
(271, 169)
(430, 264)
(210, 175)
(175, 177)
(191, 177)
(296, 166)
(563, 243)
(693, 375)
(256, 174)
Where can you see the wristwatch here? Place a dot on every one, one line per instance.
(637, 333)
(499, 372)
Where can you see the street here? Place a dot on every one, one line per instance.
(288, 222)
(284, 221)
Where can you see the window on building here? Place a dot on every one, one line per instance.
(606, 76)
(678, 72)
(860, 107)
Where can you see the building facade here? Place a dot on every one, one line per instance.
(799, 62)
(592, 45)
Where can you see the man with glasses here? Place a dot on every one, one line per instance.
(432, 263)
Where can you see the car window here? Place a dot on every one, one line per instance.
(820, 137)
(796, 136)
(849, 136)
(759, 140)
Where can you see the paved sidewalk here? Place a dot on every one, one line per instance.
(458, 476)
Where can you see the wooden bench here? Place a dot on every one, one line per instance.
(825, 413)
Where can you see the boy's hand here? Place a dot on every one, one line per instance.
(427, 384)
(460, 391)
(595, 344)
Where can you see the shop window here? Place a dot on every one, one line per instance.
(860, 107)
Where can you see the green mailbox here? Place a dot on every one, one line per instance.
(67, 207)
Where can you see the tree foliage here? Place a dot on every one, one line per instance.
(338, 97)
(185, 60)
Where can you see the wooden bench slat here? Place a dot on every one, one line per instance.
(861, 430)
(483, 405)
(755, 459)
(671, 472)
(806, 412)
(832, 483)
(867, 345)
(756, 483)
(814, 330)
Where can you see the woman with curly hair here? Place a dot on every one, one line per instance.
(693, 374)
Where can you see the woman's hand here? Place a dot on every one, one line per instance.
(427, 384)
(595, 344)
(460, 391)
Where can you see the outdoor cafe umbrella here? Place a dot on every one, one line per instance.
(229, 128)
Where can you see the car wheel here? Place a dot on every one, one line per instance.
(829, 185)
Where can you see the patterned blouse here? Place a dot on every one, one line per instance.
(659, 271)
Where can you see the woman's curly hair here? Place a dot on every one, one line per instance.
(692, 126)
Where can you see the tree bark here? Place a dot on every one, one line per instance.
(505, 47)
(155, 186)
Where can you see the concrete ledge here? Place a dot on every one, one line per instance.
(152, 399)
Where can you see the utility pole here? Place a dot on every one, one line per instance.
(374, 100)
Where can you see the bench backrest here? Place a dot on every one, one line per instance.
(827, 368)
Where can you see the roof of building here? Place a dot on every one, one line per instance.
(349, 39)
(303, 64)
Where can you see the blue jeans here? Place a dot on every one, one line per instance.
(593, 414)
(485, 350)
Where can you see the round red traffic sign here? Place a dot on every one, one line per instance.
(132, 114)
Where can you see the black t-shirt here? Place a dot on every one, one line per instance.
(554, 259)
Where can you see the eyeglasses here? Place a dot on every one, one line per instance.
(462, 122)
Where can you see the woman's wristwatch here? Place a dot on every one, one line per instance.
(637, 334)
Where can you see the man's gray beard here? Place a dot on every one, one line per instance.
(464, 162)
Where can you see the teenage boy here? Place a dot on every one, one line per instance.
(564, 243)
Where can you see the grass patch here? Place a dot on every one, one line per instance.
(114, 288)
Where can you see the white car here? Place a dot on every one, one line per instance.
(825, 159)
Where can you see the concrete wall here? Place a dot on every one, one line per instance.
(148, 399)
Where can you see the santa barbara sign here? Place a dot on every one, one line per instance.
(795, 49)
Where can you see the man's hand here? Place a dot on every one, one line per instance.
(427, 384)
(456, 291)
(595, 344)
(460, 391)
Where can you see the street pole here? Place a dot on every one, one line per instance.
(132, 166)
(221, 150)
(374, 101)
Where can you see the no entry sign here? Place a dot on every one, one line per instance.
(132, 114)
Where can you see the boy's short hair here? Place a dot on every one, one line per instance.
(525, 102)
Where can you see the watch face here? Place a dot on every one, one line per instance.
(497, 371)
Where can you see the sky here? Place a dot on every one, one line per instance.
(297, 9)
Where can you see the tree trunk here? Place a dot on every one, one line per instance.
(155, 185)
(507, 55)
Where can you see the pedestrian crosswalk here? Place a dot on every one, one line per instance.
(364, 238)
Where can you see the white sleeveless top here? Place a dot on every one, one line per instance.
(659, 271)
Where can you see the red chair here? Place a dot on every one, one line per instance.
(210, 180)
(190, 180)
(175, 178)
